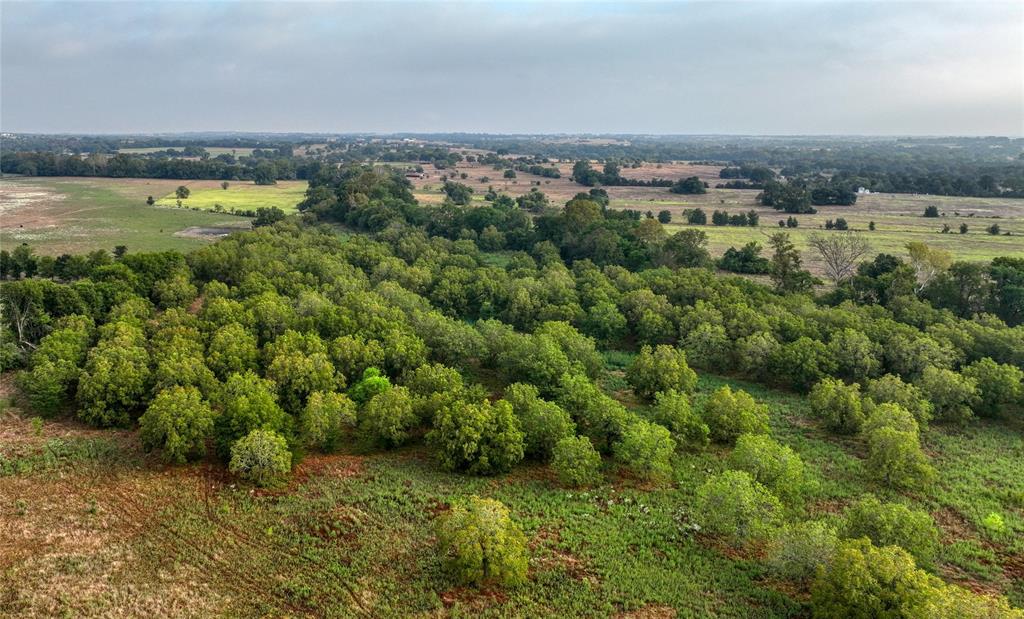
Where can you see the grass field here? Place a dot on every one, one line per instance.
(240, 195)
(897, 217)
(58, 215)
(213, 150)
(89, 526)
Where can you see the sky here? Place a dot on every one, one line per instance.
(755, 67)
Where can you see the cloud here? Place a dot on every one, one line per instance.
(684, 67)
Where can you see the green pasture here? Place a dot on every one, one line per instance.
(239, 196)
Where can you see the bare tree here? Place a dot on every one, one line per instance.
(840, 252)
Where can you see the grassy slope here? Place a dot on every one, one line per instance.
(239, 195)
(352, 534)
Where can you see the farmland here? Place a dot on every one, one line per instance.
(239, 196)
(898, 217)
(213, 150)
(59, 215)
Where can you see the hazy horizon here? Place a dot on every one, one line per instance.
(759, 69)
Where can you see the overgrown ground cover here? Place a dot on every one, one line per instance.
(239, 196)
(92, 527)
(74, 215)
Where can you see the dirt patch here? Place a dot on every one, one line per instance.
(650, 612)
(206, 233)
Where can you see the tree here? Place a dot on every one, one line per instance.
(45, 385)
(224, 185)
(150, 201)
(801, 549)
(232, 349)
(896, 460)
(646, 450)
(696, 217)
(457, 192)
(664, 216)
(866, 582)
(673, 411)
(261, 457)
(731, 413)
(839, 252)
(784, 267)
(838, 405)
(802, 363)
(481, 544)
(777, 467)
(734, 505)
(931, 211)
(892, 524)
(662, 369)
(182, 192)
(689, 185)
(952, 395)
(372, 383)
(326, 418)
(264, 174)
(388, 418)
(478, 438)
(891, 389)
(116, 376)
(543, 423)
(1000, 386)
(963, 228)
(576, 462)
(267, 216)
(993, 229)
(686, 248)
(247, 403)
(856, 356)
(177, 422)
(927, 262)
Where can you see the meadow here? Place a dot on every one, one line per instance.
(239, 196)
(898, 217)
(87, 517)
(58, 215)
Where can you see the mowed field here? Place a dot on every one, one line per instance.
(76, 215)
(239, 196)
(92, 527)
(898, 217)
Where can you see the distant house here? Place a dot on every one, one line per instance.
(415, 175)
(863, 190)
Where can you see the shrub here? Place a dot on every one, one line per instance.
(481, 544)
(838, 405)
(326, 418)
(856, 356)
(371, 384)
(731, 413)
(247, 403)
(803, 363)
(732, 504)
(865, 581)
(1000, 386)
(891, 388)
(646, 449)
(576, 462)
(388, 417)
(45, 385)
(801, 549)
(481, 439)
(673, 411)
(953, 395)
(896, 460)
(776, 467)
(261, 457)
(660, 369)
(543, 423)
(178, 422)
(892, 524)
